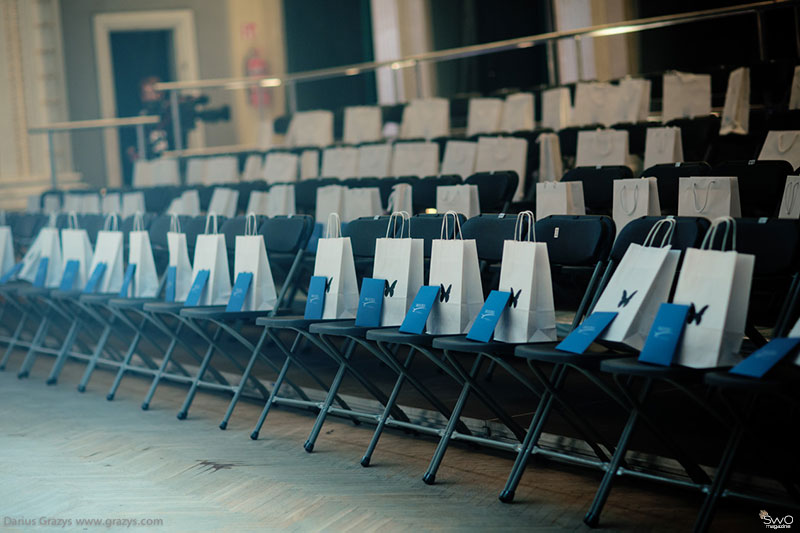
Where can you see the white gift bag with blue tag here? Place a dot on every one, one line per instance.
(210, 253)
(76, 246)
(790, 203)
(140, 254)
(108, 250)
(46, 245)
(715, 284)
(455, 270)
(399, 259)
(251, 256)
(525, 272)
(335, 263)
(6, 246)
(179, 259)
(639, 285)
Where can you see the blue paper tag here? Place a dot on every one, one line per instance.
(239, 291)
(417, 315)
(11, 273)
(126, 282)
(95, 278)
(584, 335)
(315, 304)
(665, 335)
(169, 293)
(68, 278)
(41, 272)
(370, 303)
(762, 360)
(483, 327)
(196, 291)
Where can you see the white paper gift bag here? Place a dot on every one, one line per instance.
(111, 203)
(251, 256)
(551, 166)
(715, 285)
(310, 128)
(633, 102)
(280, 167)
(196, 171)
(224, 202)
(188, 203)
(281, 201)
(399, 259)
(556, 108)
(455, 270)
(663, 145)
(222, 169)
(709, 196)
(426, 118)
(736, 113)
(686, 95)
(143, 173)
(459, 158)
(790, 203)
(361, 202)
(640, 284)
(340, 162)
(634, 198)
(782, 146)
(794, 95)
(51, 204)
(602, 148)
(309, 164)
(75, 246)
(140, 253)
(525, 273)
(401, 198)
(258, 202)
(374, 160)
(330, 199)
(165, 171)
(210, 253)
(595, 103)
(179, 259)
(132, 203)
(264, 131)
(46, 245)
(462, 199)
(559, 198)
(253, 168)
(517, 113)
(483, 115)
(108, 251)
(335, 263)
(415, 159)
(504, 153)
(362, 124)
(6, 246)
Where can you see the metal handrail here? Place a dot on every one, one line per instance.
(601, 30)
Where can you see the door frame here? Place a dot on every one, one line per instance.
(184, 49)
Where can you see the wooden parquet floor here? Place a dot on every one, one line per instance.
(66, 455)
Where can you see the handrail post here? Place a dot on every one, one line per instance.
(762, 45)
(418, 75)
(176, 119)
(51, 147)
(552, 64)
(292, 96)
(140, 141)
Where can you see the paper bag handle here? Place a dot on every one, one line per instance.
(622, 190)
(174, 223)
(72, 221)
(667, 239)
(52, 219)
(111, 223)
(212, 217)
(708, 193)
(391, 227)
(334, 229)
(519, 226)
(730, 230)
(138, 221)
(790, 204)
(781, 136)
(251, 225)
(446, 228)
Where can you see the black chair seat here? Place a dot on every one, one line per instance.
(210, 311)
(58, 294)
(460, 343)
(293, 322)
(632, 367)
(217, 312)
(30, 290)
(98, 299)
(14, 286)
(339, 329)
(733, 381)
(395, 336)
(546, 352)
(170, 308)
(131, 303)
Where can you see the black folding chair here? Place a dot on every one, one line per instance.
(668, 177)
(423, 192)
(598, 186)
(495, 189)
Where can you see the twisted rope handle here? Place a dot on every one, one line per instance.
(446, 227)
(780, 141)
(708, 193)
(711, 234)
(522, 217)
(111, 223)
(212, 217)
(174, 223)
(334, 229)
(667, 239)
(250, 225)
(793, 186)
(635, 198)
(73, 220)
(138, 221)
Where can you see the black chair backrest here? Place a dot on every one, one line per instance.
(495, 189)
(363, 232)
(576, 241)
(25, 226)
(761, 184)
(205, 192)
(689, 233)
(697, 134)
(668, 176)
(286, 234)
(236, 226)
(196, 226)
(245, 188)
(126, 225)
(159, 228)
(429, 227)
(598, 186)
(490, 232)
(157, 199)
(92, 224)
(423, 193)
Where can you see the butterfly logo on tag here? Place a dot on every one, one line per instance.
(694, 315)
(514, 298)
(418, 308)
(369, 302)
(662, 331)
(328, 282)
(489, 313)
(314, 298)
(388, 290)
(444, 294)
(238, 292)
(587, 330)
(625, 300)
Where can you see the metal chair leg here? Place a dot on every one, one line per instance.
(245, 375)
(120, 372)
(61, 358)
(12, 343)
(30, 357)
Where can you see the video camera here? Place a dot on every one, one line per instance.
(192, 109)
